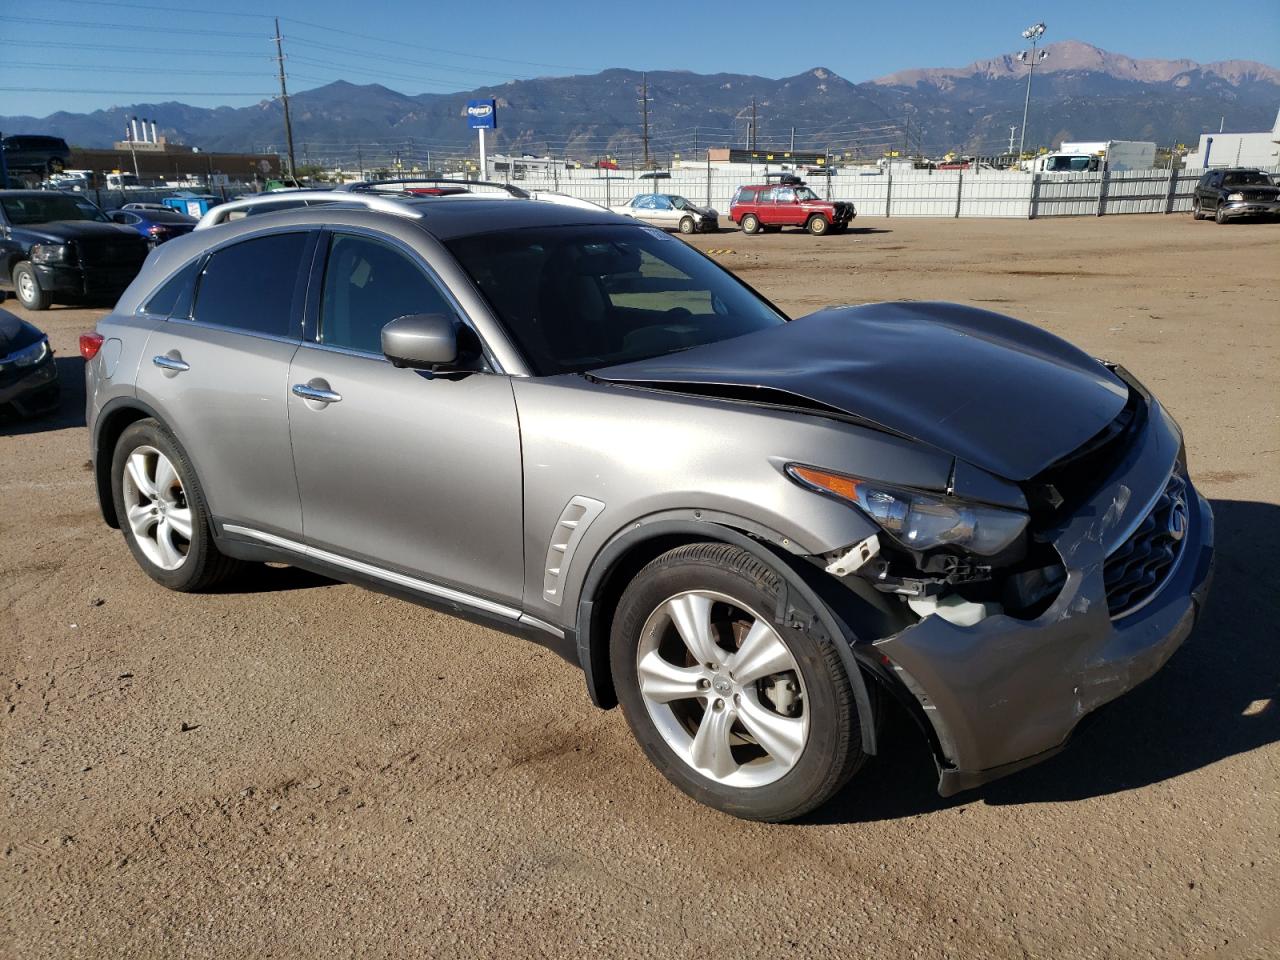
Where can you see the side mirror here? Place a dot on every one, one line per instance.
(422, 341)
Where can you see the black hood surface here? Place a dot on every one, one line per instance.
(15, 334)
(62, 230)
(999, 393)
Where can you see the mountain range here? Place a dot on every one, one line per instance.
(1080, 93)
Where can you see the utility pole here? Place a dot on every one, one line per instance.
(755, 129)
(284, 99)
(1012, 127)
(793, 139)
(360, 159)
(906, 136)
(1032, 33)
(695, 141)
(644, 107)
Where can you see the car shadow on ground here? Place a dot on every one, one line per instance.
(1219, 696)
(862, 231)
(264, 578)
(70, 410)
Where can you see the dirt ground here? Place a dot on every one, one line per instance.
(306, 769)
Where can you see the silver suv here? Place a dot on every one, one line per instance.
(749, 531)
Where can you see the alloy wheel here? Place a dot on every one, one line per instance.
(156, 508)
(723, 689)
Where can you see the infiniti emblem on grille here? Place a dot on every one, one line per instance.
(1178, 519)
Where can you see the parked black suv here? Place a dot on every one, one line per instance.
(55, 246)
(32, 158)
(1235, 193)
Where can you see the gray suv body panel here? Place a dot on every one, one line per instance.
(502, 495)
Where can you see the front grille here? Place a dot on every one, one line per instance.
(102, 252)
(1137, 569)
(1258, 195)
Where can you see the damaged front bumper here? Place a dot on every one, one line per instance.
(1005, 693)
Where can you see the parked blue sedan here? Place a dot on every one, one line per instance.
(156, 225)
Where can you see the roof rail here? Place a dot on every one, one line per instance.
(305, 198)
(368, 186)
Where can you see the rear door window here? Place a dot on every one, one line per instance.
(250, 286)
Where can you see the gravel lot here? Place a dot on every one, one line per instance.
(301, 768)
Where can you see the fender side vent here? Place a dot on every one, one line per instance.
(566, 536)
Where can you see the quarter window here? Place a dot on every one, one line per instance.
(367, 284)
(174, 298)
(250, 286)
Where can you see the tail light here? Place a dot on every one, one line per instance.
(90, 344)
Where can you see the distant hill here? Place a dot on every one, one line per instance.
(1080, 93)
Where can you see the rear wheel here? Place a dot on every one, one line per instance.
(742, 713)
(27, 284)
(1196, 212)
(818, 225)
(686, 225)
(750, 223)
(162, 510)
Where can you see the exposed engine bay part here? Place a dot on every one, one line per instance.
(954, 609)
(841, 563)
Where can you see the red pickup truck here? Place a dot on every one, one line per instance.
(788, 204)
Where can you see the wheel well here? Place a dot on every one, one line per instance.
(604, 603)
(110, 426)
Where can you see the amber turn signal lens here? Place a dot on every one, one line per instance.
(845, 487)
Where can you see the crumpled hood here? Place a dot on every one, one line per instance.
(999, 393)
(15, 334)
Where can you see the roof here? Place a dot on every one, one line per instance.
(449, 217)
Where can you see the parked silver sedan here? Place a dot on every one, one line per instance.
(670, 211)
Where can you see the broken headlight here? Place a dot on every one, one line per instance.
(921, 521)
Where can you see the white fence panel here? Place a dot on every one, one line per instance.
(917, 193)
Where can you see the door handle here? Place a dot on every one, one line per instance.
(319, 394)
(169, 363)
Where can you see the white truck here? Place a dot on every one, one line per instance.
(1116, 154)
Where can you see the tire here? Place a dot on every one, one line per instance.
(818, 225)
(806, 708)
(1220, 215)
(750, 223)
(686, 225)
(27, 285)
(1196, 212)
(175, 505)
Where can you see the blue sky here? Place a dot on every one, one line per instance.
(81, 55)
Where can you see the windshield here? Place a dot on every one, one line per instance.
(48, 208)
(576, 298)
(804, 193)
(1246, 178)
(680, 203)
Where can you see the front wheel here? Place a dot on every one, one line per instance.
(1220, 215)
(753, 717)
(162, 510)
(686, 225)
(818, 225)
(27, 284)
(750, 224)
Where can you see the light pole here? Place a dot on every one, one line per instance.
(1032, 33)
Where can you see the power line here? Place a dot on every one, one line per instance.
(128, 49)
(133, 28)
